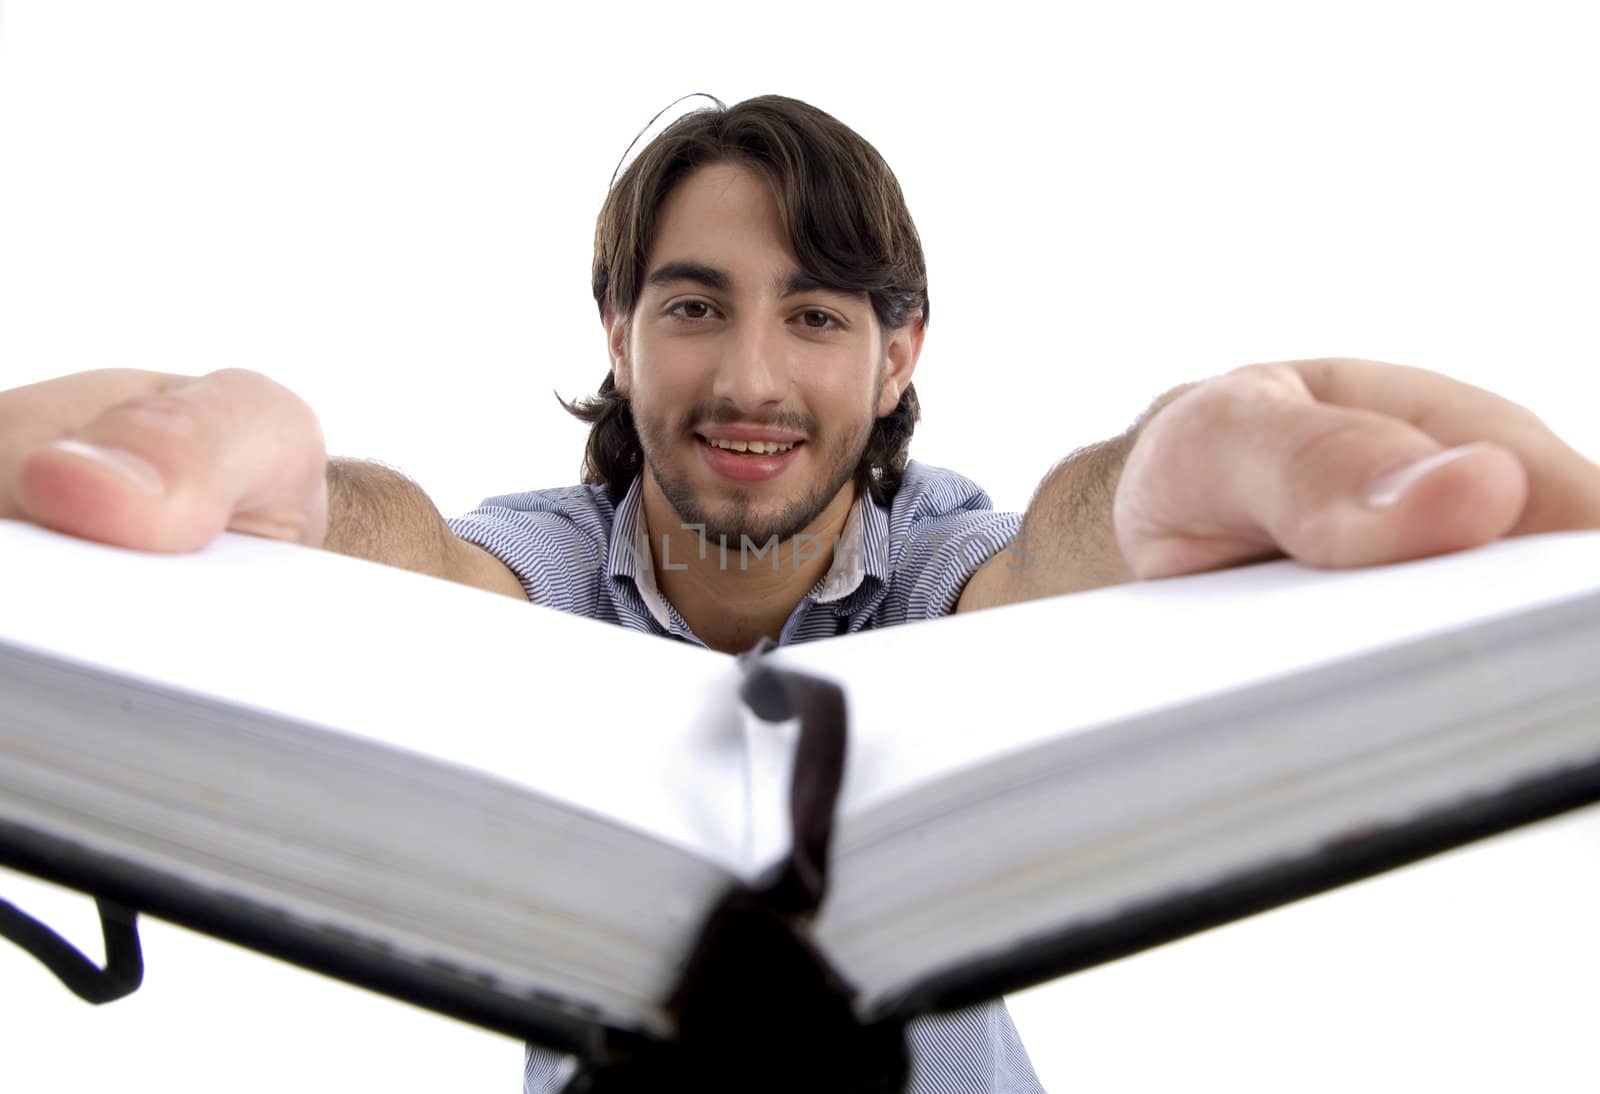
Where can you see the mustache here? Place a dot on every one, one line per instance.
(708, 414)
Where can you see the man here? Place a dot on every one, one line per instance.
(764, 302)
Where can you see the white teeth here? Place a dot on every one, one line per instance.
(760, 448)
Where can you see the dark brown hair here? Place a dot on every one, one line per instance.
(847, 224)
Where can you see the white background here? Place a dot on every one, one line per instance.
(389, 207)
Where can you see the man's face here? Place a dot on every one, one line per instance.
(732, 345)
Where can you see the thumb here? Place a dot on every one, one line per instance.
(1253, 465)
(171, 470)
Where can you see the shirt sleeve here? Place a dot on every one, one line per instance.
(555, 541)
(942, 529)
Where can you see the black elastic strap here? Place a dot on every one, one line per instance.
(777, 695)
(119, 926)
(758, 1006)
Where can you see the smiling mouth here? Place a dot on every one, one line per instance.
(752, 448)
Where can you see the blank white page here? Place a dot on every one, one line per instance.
(933, 698)
(627, 726)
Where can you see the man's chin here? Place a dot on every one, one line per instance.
(734, 513)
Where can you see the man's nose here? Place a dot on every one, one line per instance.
(753, 372)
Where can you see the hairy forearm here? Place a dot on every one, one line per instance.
(376, 513)
(1068, 533)
(1068, 540)
(1068, 526)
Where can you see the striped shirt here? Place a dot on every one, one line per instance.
(575, 551)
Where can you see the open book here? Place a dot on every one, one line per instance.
(524, 818)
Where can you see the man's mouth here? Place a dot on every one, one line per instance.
(752, 448)
(749, 460)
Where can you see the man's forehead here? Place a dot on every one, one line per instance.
(721, 220)
(721, 203)
(721, 228)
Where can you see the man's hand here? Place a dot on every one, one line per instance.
(1334, 462)
(167, 463)
(1340, 463)
(163, 463)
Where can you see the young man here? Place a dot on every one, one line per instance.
(764, 301)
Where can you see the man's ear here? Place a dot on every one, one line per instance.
(617, 346)
(901, 353)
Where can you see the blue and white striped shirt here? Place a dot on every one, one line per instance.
(574, 551)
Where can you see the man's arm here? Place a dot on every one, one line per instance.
(376, 513)
(166, 463)
(1068, 531)
(1336, 462)
(1067, 535)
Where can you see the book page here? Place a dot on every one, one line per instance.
(613, 723)
(971, 688)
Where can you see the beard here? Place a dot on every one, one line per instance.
(727, 519)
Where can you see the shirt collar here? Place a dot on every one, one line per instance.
(628, 554)
(859, 556)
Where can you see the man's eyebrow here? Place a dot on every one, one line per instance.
(716, 280)
(708, 276)
(802, 282)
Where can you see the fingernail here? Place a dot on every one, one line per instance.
(1389, 489)
(130, 467)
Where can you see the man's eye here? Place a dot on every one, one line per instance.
(691, 309)
(816, 320)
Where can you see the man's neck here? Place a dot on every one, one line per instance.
(732, 594)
